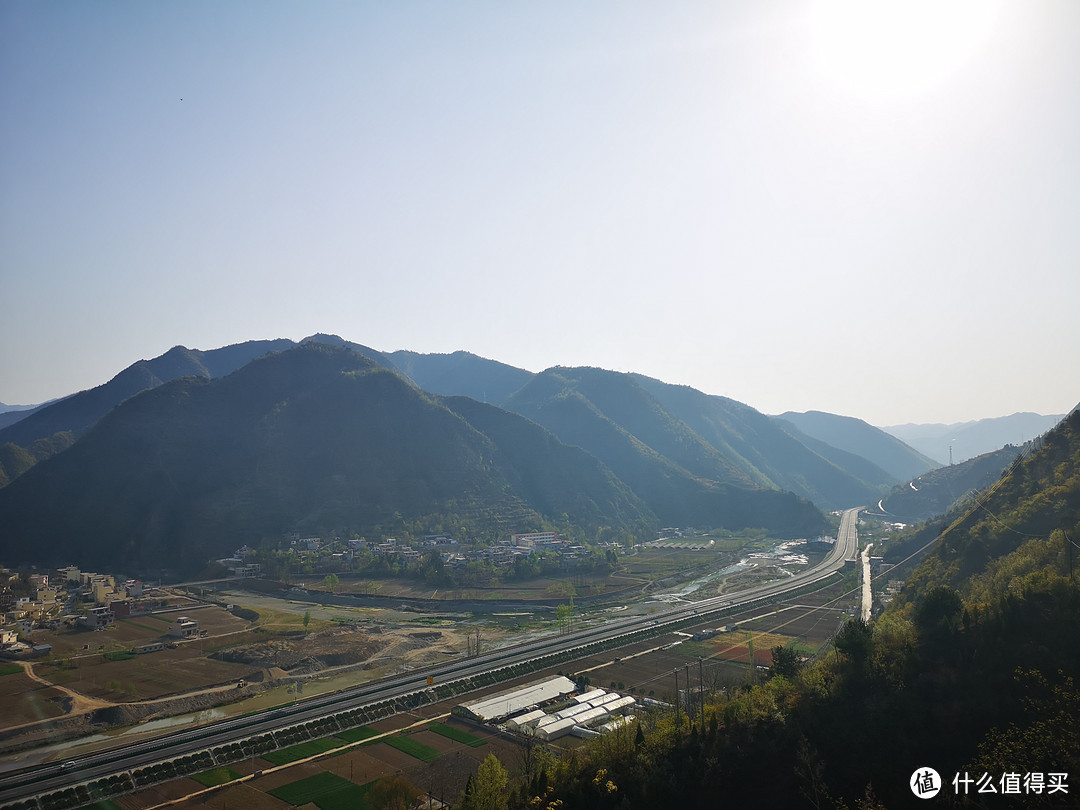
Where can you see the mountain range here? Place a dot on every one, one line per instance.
(192, 453)
(969, 439)
(312, 439)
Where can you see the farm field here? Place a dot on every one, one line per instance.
(432, 757)
(451, 761)
(439, 757)
(142, 677)
(24, 700)
(326, 791)
(647, 668)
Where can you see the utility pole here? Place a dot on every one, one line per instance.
(753, 663)
(677, 697)
(689, 705)
(701, 691)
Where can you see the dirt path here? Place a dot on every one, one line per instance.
(80, 703)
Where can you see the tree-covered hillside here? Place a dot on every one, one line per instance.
(935, 492)
(683, 478)
(317, 440)
(856, 436)
(973, 671)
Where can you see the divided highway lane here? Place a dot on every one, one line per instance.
(93, 766)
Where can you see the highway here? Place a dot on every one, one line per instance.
(54, 776)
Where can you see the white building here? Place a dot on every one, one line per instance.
(184, 627)
(507, 704)
(533, 539)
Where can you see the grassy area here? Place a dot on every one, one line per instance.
(357, 734)
(351, 798)
(149, 676)
(326, 790)
(302, 750)
(146, 627)
(457, 735)
(424, 753)
(217, 776)
(10, 669)
(283, 621)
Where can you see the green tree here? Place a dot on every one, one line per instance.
(855, 640)
(307, 618)
(331, 581)
(392, 793)
(565, 615)
(487, 790)
(937, 612)
(786, 662)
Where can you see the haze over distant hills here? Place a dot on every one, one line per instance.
(191, 453)
(970, 439)
(936, 491)
(10, 414)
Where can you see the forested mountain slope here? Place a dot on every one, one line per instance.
(856, 436)
(684, 479)
(315, 439)
(973, 671)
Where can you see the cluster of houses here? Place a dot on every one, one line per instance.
(337, 555)
(240, 564)
(54, 601)
(43, 606)
(110, 599)
(501, 555)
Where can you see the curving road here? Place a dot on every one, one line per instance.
(54, 776)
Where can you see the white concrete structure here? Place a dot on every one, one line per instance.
(508, 704)
(615, 722)
(552, 731)
(604, 700)
(591, 715)
(590, 695)
(620, 704)
(184, 627)
(572, 711)
(527, 719)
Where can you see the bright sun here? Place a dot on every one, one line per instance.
(887, 48)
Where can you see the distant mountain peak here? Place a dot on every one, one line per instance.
(322, 337)
(970, 439)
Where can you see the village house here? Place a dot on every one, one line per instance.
(134, 588)
(535, 539)
(99, 617)
(184, 627)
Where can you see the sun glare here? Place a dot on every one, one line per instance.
(890, 48)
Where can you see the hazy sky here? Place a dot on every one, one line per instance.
(858, 207)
